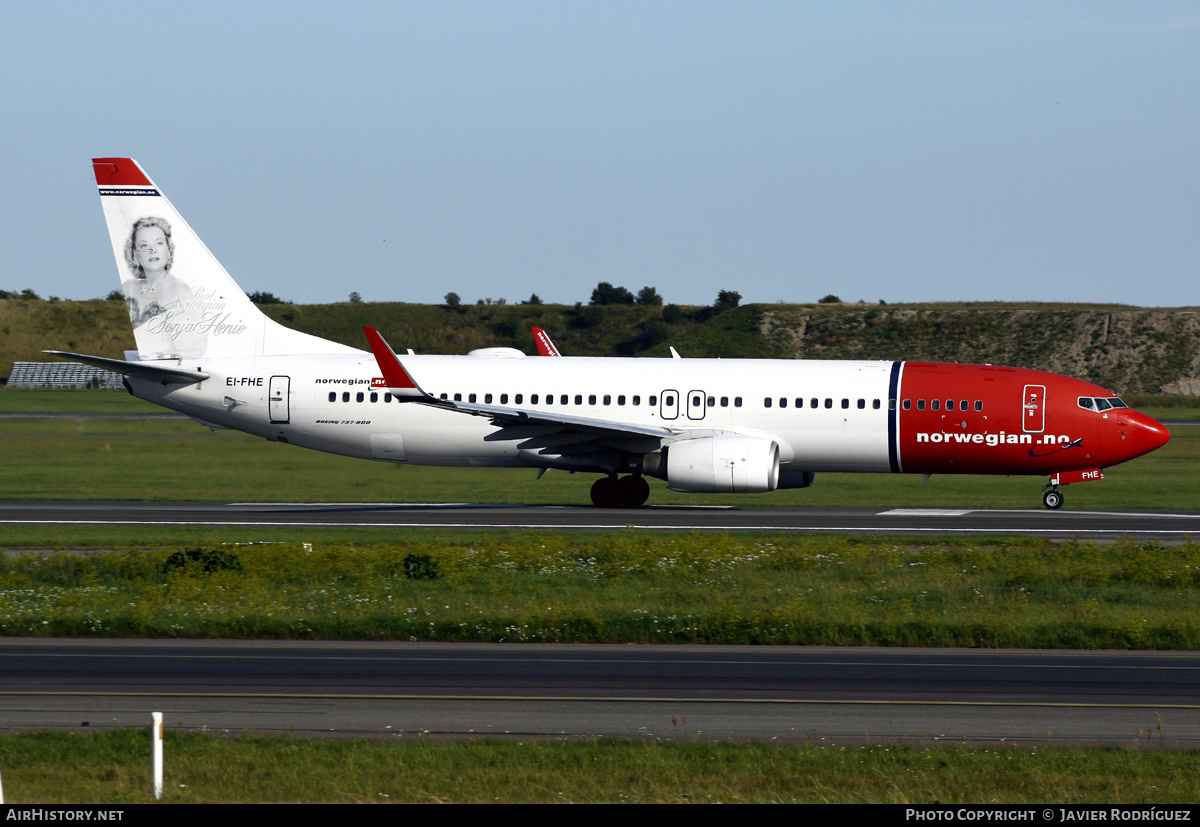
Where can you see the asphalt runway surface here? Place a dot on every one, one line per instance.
(795, 694)
(1166, 527)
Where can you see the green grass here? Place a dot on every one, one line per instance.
(627, 587)
(112, 768)
(149, 460)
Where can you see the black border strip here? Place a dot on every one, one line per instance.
(894, 418)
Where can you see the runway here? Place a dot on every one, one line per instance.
(1166, 527)
(807, 694)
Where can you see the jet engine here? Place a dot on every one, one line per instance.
(718, 465)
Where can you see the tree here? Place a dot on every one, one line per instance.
(453, 301)
(605, 293)
(672, 314)
(534, 299)
(648, 297)
(355, 298)
(115, 296)
(265, 297)
(830, 299)
(726, 300)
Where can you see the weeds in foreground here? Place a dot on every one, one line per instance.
(622, 587)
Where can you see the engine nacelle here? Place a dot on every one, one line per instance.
(719, 465)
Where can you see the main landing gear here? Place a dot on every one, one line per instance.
(626, 492)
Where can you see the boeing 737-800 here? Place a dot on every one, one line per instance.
(703, 425)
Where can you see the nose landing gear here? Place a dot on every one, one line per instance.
(1053, 498)
(626, 492)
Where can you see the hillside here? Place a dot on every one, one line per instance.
(1130, 350)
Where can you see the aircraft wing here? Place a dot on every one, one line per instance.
(548, 432)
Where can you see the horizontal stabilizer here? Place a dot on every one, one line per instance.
(141, 370)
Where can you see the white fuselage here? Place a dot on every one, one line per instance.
(328, 403)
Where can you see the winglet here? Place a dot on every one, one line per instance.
(545, 347)
(398, 381)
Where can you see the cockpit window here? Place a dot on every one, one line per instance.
(1093, 403)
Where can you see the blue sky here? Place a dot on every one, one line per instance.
(875, 150)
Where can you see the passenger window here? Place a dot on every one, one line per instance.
(875, 404)
(458, 397)
(908, 404)
(607, 399)
(814, 403)
(578, 399)
(862, 404)
(374, 396)
(533, 398)
(637, 400)
(920, 404)
(949, 404)
(652, 401)
(443, 396)
(711, 401)
(845, 404)
(799, 402)
(934, 404)
(828, 402)
(782, 402)
(564, 399)
(737, 401)
(724, 401)
(696, 401)
(517, 399)
(979, 404)
(387, 397)
(767, 402)
(333, 396)
(471, 398)
(621, 399)
(358, 397)
(504, 399)
(591, 399)
(963, 406)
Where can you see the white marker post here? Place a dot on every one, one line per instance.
(156, 752)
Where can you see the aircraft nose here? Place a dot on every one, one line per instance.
(1148, 434)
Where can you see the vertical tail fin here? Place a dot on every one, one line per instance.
(182, 303)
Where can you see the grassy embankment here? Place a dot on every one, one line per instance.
(1127, 349)
(111, 768)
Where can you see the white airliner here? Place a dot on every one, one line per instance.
(703, 425)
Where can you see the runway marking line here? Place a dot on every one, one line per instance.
(593, 699)
(597, 527)
(614, 661)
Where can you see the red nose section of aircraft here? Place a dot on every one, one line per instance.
(1148, 434)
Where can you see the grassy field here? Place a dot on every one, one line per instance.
(112, 768)
(82, 458)
(622, 587)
